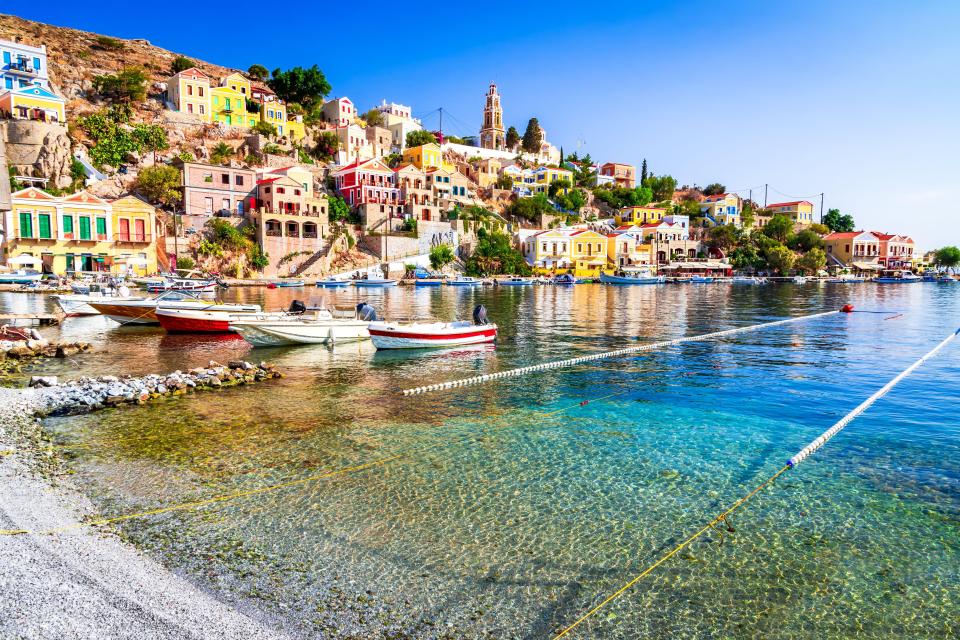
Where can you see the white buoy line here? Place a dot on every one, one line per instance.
(863, 406)
(557, 364)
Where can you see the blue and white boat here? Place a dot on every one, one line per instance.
(516, 281)
(289, 283)
(331, 283)
(632, 275)
(565, 278)
(748, 280)
(895, 276)
(374, 278)
(464, 281)
(21, 276)
(701, 279)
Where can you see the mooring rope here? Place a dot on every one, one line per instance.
(512, 373)
(793, 462)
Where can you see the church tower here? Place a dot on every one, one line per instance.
(491, 133)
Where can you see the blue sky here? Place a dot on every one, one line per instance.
(858, 100)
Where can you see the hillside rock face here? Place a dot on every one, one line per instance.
(38, 149)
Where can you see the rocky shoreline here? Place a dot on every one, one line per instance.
(82, 583)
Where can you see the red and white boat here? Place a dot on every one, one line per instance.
(143, 310)
(424, 335)
(199, 320)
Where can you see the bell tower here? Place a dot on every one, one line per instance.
(491, 133)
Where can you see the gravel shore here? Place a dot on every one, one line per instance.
(84, 583)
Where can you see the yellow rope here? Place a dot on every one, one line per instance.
(736, 505)
(201, 503)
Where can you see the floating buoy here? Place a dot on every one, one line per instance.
(272, 285)
(847, 308)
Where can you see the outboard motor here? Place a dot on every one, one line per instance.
(480, 315)
(297, 306)
(366, 313)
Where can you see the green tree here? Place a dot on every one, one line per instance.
(150, 137)
(258, 72)
(662, 187)
(747, 258)
(819, 229)
(583, 175)
(339, 209)
(495, 254)
(558, 186)
(393, 160)
(748, 213)
(185, 262)
(110, 44)
(303, 86)
(258, 258)
(780, 228)
(714, 189)
(373, 118)
(836, 221)
(530, 208)
(475, 217)
(327, 145)
(780, 258)
(504, 182)
(440, 256)
(812, 261)
(513, 138)
(420, 137)
(805, 240)
(620, 197)
(128, 85)
(643, 172)
(723, 237)
(532, 137)
(264, 128)
(181, 63)
(221, 153)
(159, 184)
(947, 257)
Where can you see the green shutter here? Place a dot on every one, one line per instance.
(70, 266)
(26, 225)
(84, 228)
(68, 224)
(43, 220)
(101, 226)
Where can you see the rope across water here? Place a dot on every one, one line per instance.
(557, 364)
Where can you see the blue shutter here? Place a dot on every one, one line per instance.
(36, 64)
(6, 57)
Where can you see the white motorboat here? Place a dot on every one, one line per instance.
(799, 280)
(78, 304)
(515, 281)
(374, 277)
(143, 310)
(317, 327)
(20, 276)
(632, 275)
(748, 280)
(897, 276)
(464, 281)
(426, 335)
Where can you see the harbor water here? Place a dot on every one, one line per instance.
(511, 508)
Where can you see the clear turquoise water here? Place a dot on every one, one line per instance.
(500, 521)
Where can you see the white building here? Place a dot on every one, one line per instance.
(398, 118)
(23, 66)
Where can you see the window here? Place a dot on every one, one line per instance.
(225, 204)
(68, 226)
(189, 108)
(189, 89)
(202, 109)
(26, 224)
(281, 190)
(225, 178)
(84, 228)
(43, 224)
(208, 177)
(239, 180)
(36, 64)
(208, 205)
(200, 93)
(101, 228)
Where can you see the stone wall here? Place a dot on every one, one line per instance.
(276, 248)
(38, 149)
(4, 184)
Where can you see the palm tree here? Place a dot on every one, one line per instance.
(221, 153)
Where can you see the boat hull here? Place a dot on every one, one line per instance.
(278, 334)
(897, 280)
(333, 284)
(396, 338)
(145, 312)
(79, 305)
(608, 279)
(375, 283)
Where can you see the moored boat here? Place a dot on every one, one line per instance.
(143, 310)
(897, 276)
(289, 283)
(425, 335)
(701, 279)
(20, 276)
(374, 278)
(318, 326)
(748, 280)
(79, 304)
(200, 320)
(515, 281)
(464, 281)
(331, 283)
(632, 275)
(564, 279)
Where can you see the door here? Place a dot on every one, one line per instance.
(208, 206)
(139, 227)
(43, 220)
(124, 230)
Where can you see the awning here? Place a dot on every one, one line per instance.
(23, 259)
(867, 266)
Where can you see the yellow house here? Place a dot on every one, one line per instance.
(721, 209)
(72, 233)
(588, 252)
(639, 215)
(33, 103)
(545, 176)
(626, 249)
(189, 92)
(549, 249)
(800, 211)
(426, 156)
(135, 235)
(229, 106)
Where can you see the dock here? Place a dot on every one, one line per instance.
(30, 319)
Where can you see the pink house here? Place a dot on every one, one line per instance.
(339, 112)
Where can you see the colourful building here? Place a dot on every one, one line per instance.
(426, 156)
(189, 92)
(81, 232)
(22, 66)
(721, 209)
(588, 252)
(624, 175)
(548, 249)
(627, 248)
(853, 249)
(800, 211)
(339, 112)
(544, 176)
(639, 215)
(229, 107)
(896, 251)
(32, 103)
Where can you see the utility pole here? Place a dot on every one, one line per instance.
(441, 125)
(821, 208)
(765, 195)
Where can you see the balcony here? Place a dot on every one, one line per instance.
(22, 67)
(136, 238)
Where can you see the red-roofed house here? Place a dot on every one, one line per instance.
(896, 251)
(800, 211)
(624, 175)
(855, 249)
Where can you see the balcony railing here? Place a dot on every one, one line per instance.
(22, 67)
(275, 233)
(132, 237)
